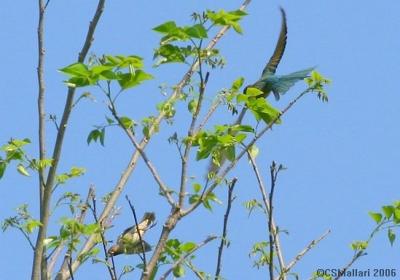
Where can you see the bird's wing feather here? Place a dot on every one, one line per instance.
(281, 84)
(273, 62)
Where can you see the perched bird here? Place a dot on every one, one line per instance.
(269, 82)
(129, 241)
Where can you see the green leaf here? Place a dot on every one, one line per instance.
(254, 151)
(192, 106)
(96, 135)
(196, 187)
(396, 215)
(91, 229)
(31, 225)
(15, 144)
(261, 109)
(391, 236)
(21, 169)
(388, 210)
(359, 245)
(169, 53)
(127, 123)
(188, 246)
(196, 31)
(76, 171)
(122, 61)
(237, 84)
(377, 217)
(129, 80)
(179, 271)
(227, 18)
(194, 198)
(3, 166)
(76, 70)
(166, 27)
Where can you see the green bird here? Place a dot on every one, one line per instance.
(269, 82)
(129, 241)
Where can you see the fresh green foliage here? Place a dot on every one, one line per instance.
(220, 142)
(260, 253)
(167, 108)
(230, 19)
(259, 106)
(390, 218)
(205, 200)
(317, 83)
(126, 70)
(73, 173)
(174, 250)
(23, 221)
(148, 123)
(96, 135)
(70, 232)
(14, 151)
(181, 42)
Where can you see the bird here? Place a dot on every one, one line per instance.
(129, 241)
(269, 82)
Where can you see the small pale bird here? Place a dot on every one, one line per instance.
(129, 241)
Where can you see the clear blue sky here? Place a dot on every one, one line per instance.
(342, 157)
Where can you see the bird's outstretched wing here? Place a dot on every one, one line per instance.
(273, 62)
(281, 84)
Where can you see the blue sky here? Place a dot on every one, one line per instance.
(342, 157)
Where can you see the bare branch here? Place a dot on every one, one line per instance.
(303, 252)
(272, 225)
(163, 187)
(185, 256)
(223, 243)
(111, 270)
(45, 200)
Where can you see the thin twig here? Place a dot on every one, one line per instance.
(185, 159)
(143, 257)
(208, 115)
(352, 261)
(163, 187)
(223, 242)
(300, 255)
(27, 238)
(185, 256)
(361, 252)
(273, 228)
(111, 270)
(69, 261)
(274, 171)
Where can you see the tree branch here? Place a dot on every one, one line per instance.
(224, 229)
(303, 252)
(272, 225)
(45, 205)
